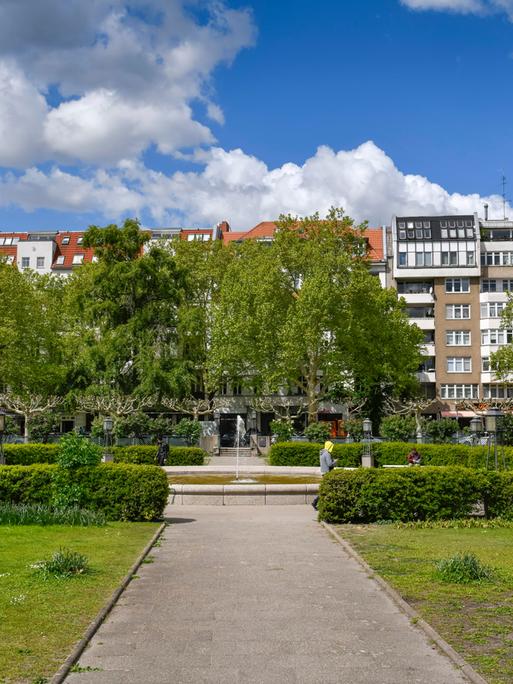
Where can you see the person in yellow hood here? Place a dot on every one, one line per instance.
(326, 463)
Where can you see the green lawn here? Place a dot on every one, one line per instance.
(41, 620)
(476, 619)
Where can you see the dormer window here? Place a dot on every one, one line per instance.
(78, 258)
(60, 261)
(65, 240)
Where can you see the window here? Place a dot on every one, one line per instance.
(423, 258)
(411, 234)
(488, 285)
(470, 232)
(60, 260)
(25, 262)
(8, 241)
(444, 233)
(497, 336)
(427, 233)
(457, 285)
(492, 309)
(485, 364)
(415, 287)
(65, 240)
(471, 260)
(507, 285)
(418, 224)
(443, 224)
(459, 392)
(402, 224)
(402, 259)
(497, 391)
(468, 224)
(459, 364)
(78, 258)
(409, 224)
(454, 338)
(461, 233)
(453, 311)
(452, 233)
(40, 263)
(402, 235)
(452, 224)
(10, 259)
(418, 233)
(80, 240)
(449, 258)
(427, 224)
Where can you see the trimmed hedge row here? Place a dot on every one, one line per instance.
(387, 453)
(119, 491)
(368, 494)
(27, 454)
(178, 456)
(307, 454)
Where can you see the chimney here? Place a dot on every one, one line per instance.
(486, 211)
(224, 227)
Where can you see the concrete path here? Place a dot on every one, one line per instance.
(257, 594)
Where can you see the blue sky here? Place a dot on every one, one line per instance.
(187, 113)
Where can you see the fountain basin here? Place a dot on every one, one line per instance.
(242, 494)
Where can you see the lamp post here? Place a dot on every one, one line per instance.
(2, 430)
(476, 427)
(367, 459)
(492, 417)
(108, 424)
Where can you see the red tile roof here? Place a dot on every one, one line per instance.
(68, 251)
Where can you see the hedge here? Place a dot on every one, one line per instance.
(388, 453)
(370, 494)
(307, 454)
(119, 491)
(27, 454)
(178, 456)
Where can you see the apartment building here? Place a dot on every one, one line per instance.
(455, 273)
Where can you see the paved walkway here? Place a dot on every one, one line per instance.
(257, 594)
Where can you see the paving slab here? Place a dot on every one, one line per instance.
(257, 594)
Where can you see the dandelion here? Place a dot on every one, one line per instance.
(16, 600)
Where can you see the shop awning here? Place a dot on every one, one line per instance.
(458, 414)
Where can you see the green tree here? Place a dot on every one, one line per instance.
(127, 311)
(306, 313)
(33, 349)
(398, 428)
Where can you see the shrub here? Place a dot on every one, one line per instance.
(307, 454)
(463, 568)
(41, 514)
(318, 432)
(74, 451)
(189, 429)
(136, 425)
(42, 426)
(354, 428)
(441, 430)
(282, 430)
(148, 455)
(119, 491)
(63, 564)
(26, 454)
(398, 428)
(499, 495)
(370, 494)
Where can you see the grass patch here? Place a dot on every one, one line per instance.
(476, 618)
(42, 616)
(42, 514)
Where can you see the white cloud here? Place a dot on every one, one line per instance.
(242, 189)
(125, 79)
(463, 6)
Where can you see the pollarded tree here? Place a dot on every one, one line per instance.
(305, 312)
(127, 312)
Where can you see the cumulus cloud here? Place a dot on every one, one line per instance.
(238, 187)
(463, 6)
(101, 81)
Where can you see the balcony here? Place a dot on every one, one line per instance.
(426, 376)
(418, 298)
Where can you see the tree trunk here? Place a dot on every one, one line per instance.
(26, 435)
